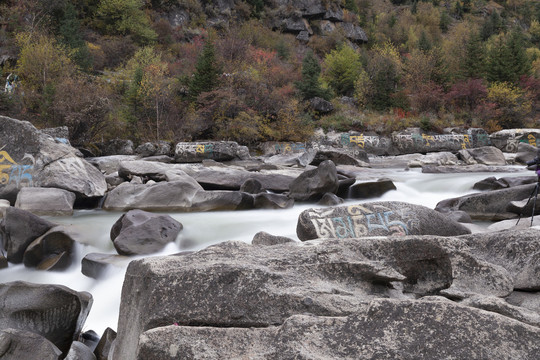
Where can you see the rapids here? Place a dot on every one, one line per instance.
(207, 228)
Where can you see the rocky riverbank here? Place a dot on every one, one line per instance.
(375, 279)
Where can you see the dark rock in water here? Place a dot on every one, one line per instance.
(139, 232)
(339, 157)
(526, 153)
(95, 265)
(243, 287)
(51, 251)
(313, 184)
(320, 105)
(252, 186)
(380, 330)
(344, 186)
(330, 199)
(264, 238)
(366, 190)
(272, 201)
(490, 205)
(80, 351)
(90, 338)
(52, 311)
(105, 344)
(46, 201)
(375, 219)
(20, 229)
(492, 183)
(3, 262)
(18, 344)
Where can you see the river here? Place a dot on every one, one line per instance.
(207, 228)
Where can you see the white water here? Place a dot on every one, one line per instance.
(204, 229)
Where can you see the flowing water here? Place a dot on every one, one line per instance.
(207, 228)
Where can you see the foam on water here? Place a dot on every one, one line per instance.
(204, 229)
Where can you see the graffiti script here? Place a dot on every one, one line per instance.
(450, 141)
(357, 221)
(363, 141)
(13, 173)
(287, 148)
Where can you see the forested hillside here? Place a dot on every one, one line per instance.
(259, 70)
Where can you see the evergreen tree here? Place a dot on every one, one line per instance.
(519, 61)
(473, 63)
(69, 33)
(206, 76)
(423, 43)
(497, 66)
(507, 59)
(491, 26)
(310, 85)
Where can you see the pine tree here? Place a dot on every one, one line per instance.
(473, 63)
(207, 70)
(423, 43)
(498, 64)
(310, 85)
(519, 62)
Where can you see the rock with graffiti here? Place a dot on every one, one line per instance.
(29, 157)
(509, 139)
(415, 140)
(389, 218)
(357, 142)
(192, 152)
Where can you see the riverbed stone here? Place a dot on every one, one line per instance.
(272, 201)
(139, 232)
(371, 189)
(187, 152)
(20, 229)
(46, 201)
(442, 330)
(313, 184)
(264, 238)
(105, 345)
(487, 155)
(488, 205)
(526, 153)
(3, 261)
(384, 218)
(340, 157)
(95, 265)
(52, 311)
(22, 344)
(51, 251)
(80, 351)
(330, 199)
(301, 159)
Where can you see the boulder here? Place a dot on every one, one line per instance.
(89, 338)
(139, 232)
(110, 164)
(489, 205)
(292, 159)
(20, 228)
(371, 189)
(320, 105)
(152, 170)
(526, 153)
(460, 169)
(383, 329)
(80, 351)
(384, 218)
(303, 36)
(508, 140)
(105, 345)
(330, 199)
(162, 196)
(18, 344)
(152, 149)
(222, 200)
(442, 158)
(53, 311)
(45, 201)
(237, 286)
(525, 299)
(340, 157)
(218, 150)
(3, 261)
(486, 155)
(95, 265)
(252, 186)
(353, 32)
(32, 158)
(51, 251)
(500, 306)
(264, 238)
(313, 184)
(272, 201)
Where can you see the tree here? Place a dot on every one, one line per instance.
(342, 68)
(310, 85)
(69, 33)
(207, 72)
(512, 104)
(125, 17)
(474, 62)
(507, 59)
(491, 26)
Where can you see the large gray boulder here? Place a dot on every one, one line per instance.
(489, 205)
(51, 251)
(313, 184)
(53, 311)
(46, 201)
(32, 158)
(383, 218)
(234, 286)
(383, 329)
(22, 344)
(371, 189)
(186, 152)
(508, 140)
(486, 155)
(20, 229)
(139, 232)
